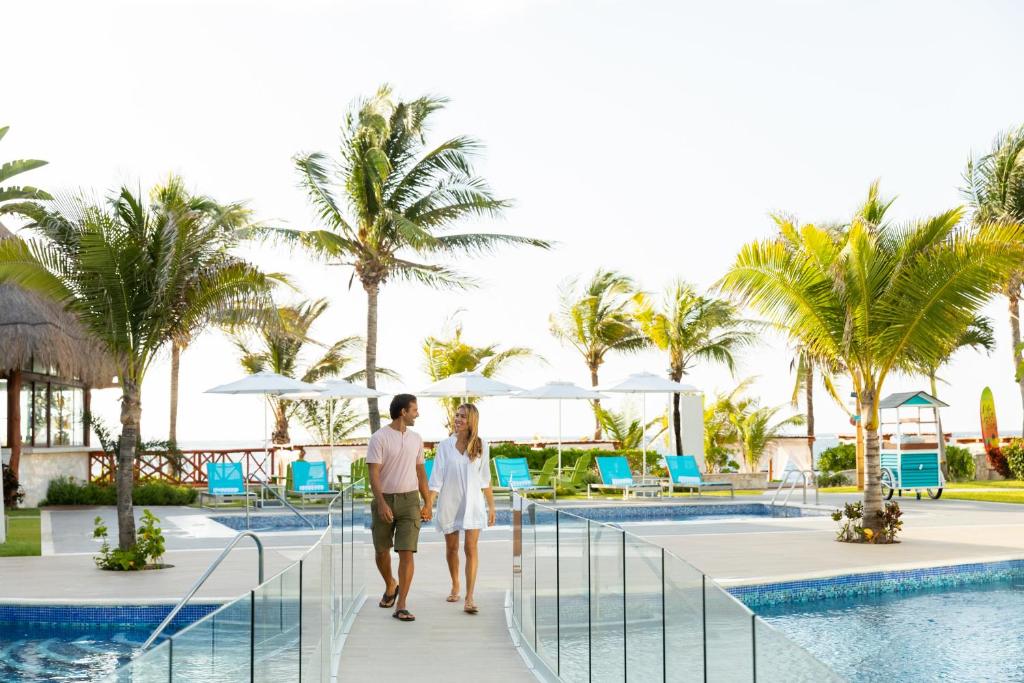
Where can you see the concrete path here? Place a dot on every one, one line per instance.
(443, 640)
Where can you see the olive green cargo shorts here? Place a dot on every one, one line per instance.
(403, 532)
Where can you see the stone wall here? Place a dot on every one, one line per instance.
(741, 480)
(40, 465)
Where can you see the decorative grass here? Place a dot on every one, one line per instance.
(22, 534)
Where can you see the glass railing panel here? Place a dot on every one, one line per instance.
(528, 599)
(276, 627)
(607, 604)
(517, 560)
(216, 648)
(684, 621)
(729, 637)
(311, 620)
(645, 633)
(573, 599)
(359, 548)
(779, 660)
(546, 562)
(339, 576)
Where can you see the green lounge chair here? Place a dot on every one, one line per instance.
(683, 472)
(573, 476)
(547, 472)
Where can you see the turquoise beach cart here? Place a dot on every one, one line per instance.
(912, 455)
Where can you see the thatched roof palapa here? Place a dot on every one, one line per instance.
(32, 326)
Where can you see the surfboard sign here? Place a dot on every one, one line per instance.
(989, 429)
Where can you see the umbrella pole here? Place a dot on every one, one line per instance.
(559, 475)
(643, 432)
(330, 431)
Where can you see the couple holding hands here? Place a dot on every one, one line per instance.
(403, 498)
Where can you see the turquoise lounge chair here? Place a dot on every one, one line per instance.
(683, 471)
(514, 475)
(615, 475)
(429, 466)
(225, 480)
(309, 480)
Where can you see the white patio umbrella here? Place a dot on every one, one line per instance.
(647, 383)
(332, 390)
(559, 391)
(466, 384)
(266, 383)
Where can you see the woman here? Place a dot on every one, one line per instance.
(461, 481)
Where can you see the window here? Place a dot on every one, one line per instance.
(65, 416)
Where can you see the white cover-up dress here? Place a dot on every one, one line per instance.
(460, 483)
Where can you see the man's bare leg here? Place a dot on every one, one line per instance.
(406, 566)
(384, 567)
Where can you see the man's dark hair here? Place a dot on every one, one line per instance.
(400, 403)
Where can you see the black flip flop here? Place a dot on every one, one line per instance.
(388, 601)
(403, 615)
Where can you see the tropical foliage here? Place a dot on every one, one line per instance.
(449, 355)
(994, 189)
(628, 431)
(692, 327)
(756, 426)
(18, 193)
(388, 203)
(278, 345)
(596, 318)
(875, 297)
(136, 278)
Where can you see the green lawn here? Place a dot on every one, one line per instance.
(1004, 491)
(999, 484)
(987, 496)
(22, 533)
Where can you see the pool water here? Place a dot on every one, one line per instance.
(968, 633)
(66, 652)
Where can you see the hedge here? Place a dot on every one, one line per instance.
(68, 491)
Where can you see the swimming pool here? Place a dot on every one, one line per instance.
(615, 513)
(78, 643)
(958, 624)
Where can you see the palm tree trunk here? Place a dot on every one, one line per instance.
(1014, 296)
(280, 434)
(131, 412)
(172, 432)
(372, 291)
(872, 462)
(809, 398)
(597, 405)
(677, 424)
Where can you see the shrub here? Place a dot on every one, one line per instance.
(1014, 456)
(150, 546)
(852, 531)
(829, 479)
(838, 458)
(13, 493)
(997, 459)
(959, 463)
(67, 491)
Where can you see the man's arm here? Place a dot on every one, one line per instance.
(383, 509)
(428, 508)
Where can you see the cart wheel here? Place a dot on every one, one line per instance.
(935, 494)
(887, 483)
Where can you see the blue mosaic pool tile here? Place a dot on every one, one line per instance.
(104, 614)
(868, 583)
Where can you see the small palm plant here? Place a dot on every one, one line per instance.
(136, 279)
(446, 356)
(597, 318)
(756, 426)
(627, 431)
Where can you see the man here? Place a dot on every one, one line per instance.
(398, 479)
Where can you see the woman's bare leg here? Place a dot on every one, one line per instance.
(472, 562)
(451, 543)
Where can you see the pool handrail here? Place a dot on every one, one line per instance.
(202, 579)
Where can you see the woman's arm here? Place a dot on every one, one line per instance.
(485, 462)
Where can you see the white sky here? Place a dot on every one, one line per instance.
(651, 137)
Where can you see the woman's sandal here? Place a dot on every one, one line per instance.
(388, 601)
(470, 608)
(403, 615)
(452, 597)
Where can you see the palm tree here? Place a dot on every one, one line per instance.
(755, 429)
(598, 319)
(135, 278)
(225, 221)
(692, 327)
(395, 196)
(804, 366)
(447, 356)
(994, 189)
(279, 346)
(875, 298)
(720, 435)
(22, 193)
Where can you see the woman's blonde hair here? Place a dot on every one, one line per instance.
(475, 447)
